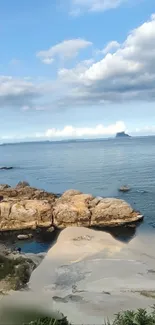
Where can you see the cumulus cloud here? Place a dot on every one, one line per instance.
(70, 131)
(64, 50)
(79, 6)
(127, 74)
(110, 46)
(17, 92)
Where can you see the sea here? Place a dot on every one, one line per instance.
(99, 167)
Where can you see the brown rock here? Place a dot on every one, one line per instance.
(28, 214)
(72, 210)
(71, 193)
(4, 187)
(28, 208)
(113, 212)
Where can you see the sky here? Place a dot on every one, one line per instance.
(76, 68)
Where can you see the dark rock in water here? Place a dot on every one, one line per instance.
(22, 184)
(124, 188)
(122, 135)
(6, 168)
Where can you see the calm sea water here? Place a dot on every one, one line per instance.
(97, 167)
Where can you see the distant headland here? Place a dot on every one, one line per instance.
(122, 135)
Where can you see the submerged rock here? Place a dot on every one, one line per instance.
(124, 188)
(6, 168)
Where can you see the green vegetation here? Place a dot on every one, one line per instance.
(15, 271)
(139, 317)
(49, 321)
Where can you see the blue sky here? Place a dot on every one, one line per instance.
(76, 68)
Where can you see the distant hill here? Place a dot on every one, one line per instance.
(122, 135)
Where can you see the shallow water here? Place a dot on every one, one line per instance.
(97, 167)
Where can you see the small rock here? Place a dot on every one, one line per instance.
(6, 168)
(50, 230)
(24, 236)
(124, 189)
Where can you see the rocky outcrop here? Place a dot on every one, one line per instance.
(15, 269)
(24, 207)
(72, 209)
(77, 209)
(113, 212)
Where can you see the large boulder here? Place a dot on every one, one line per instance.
(113, 212)
(77, 209)
(25, 214)
(72, 209)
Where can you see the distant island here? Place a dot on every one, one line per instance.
(122, 135)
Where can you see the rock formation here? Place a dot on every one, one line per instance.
(24, 207)
(15, 269)
(122, 135)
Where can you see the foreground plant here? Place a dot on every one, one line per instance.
(139, 317)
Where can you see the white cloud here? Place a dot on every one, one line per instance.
(17, 92)
(64, 50)
(70, 131)
(79, 6)
(127, 74)
(110, 46)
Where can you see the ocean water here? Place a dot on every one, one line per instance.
(97, 167)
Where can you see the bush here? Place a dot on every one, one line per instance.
(139, 317)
